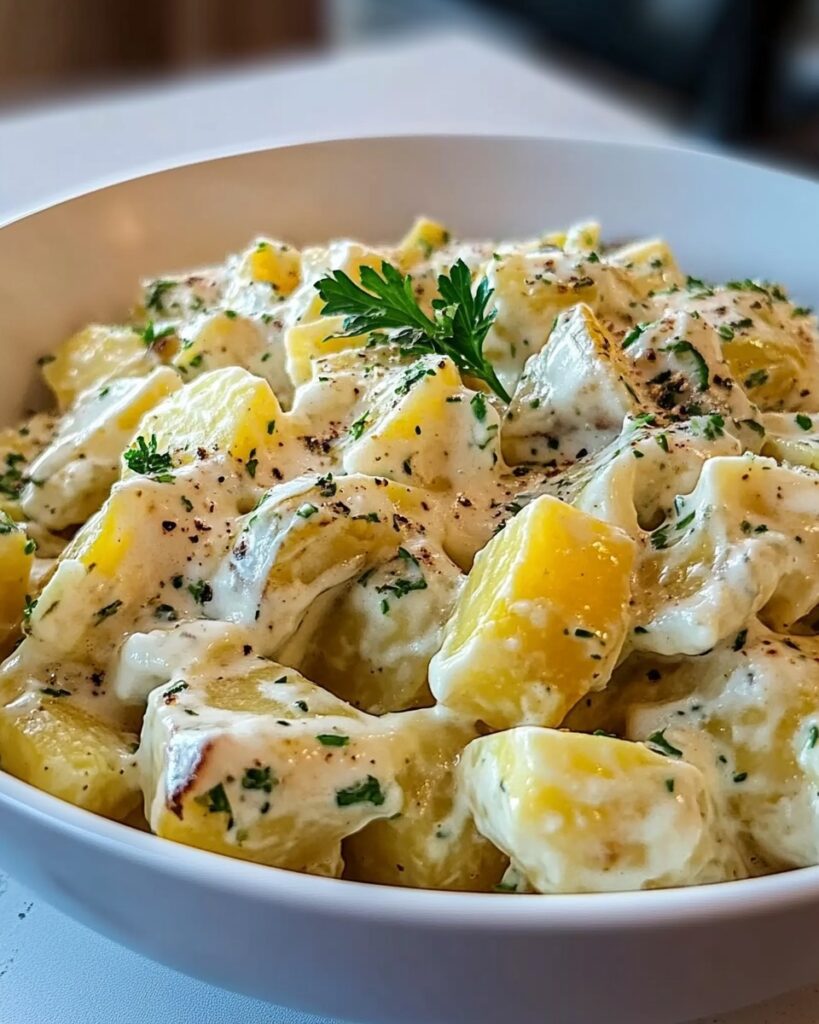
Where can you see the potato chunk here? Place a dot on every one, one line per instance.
(93, 357)
(53, 742)
(432, 843)
(227, 410)
(16, 557)
(71, 478)
(581, 813)
(259, 763)
(541, 619)
(306, 342)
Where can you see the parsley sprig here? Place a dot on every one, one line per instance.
(457, 328)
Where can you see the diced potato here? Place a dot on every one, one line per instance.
(317, 263)
(550, 417)
(371, 642)
(582, 237)
(650, 263)
(768, 369)
(422, 239)
(541, 620)
(95, 355)
(305, 342)
(71, 478)
(16, 558)
(274, 263)
(216, 340)
(734, 548)
(756, 698)
(18, 447)
(532, 288)
(49, 741)
(581, 813)
(125, 571)
(227, 410)
(423, 427)
(432, 843)
(792, 437)
(280, 775)
(306, 538)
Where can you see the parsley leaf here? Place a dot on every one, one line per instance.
(457, 328)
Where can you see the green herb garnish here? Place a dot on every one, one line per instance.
(145, 459)
(259, 778)
(384, 301)
(367, 792)
(658, 740)
(330, 739)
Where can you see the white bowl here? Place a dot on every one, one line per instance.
(342, 948)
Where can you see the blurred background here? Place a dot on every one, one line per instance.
(743, 72)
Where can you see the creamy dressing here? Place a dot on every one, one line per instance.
(234, 479)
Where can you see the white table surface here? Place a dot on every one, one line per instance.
(53, 971)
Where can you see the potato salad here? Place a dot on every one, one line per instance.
(486, 566)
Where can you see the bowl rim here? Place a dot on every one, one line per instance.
(690, 149)
(568, 912)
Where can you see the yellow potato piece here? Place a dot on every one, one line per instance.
(650, 263)
(227, 410)
(57, 746)
(792, 437)
(283, 772)
(432, 843)
(769, 369)
(274, 263)
(579, 813)
(541, 620)
(422, 239)
(222, 339)
(91, 357)
(425, 428)
(582, 237)
(305, 342)
(16, 559)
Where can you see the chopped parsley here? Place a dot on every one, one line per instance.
(803, 421)
(201, 591)
(149, 333)
(739, 640)
(412, 376)
(756, 379)
(145, 459)
(366, 792)
(155, 298)
(658, 740)
(327, 486)
(813, 737)
(701, 367)
(259, 778)
(358, 427)
(216, 802)
(11, 479)
(478, 403)
(330, 739)
(54, 691)
(714, 427)
(633, 335)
